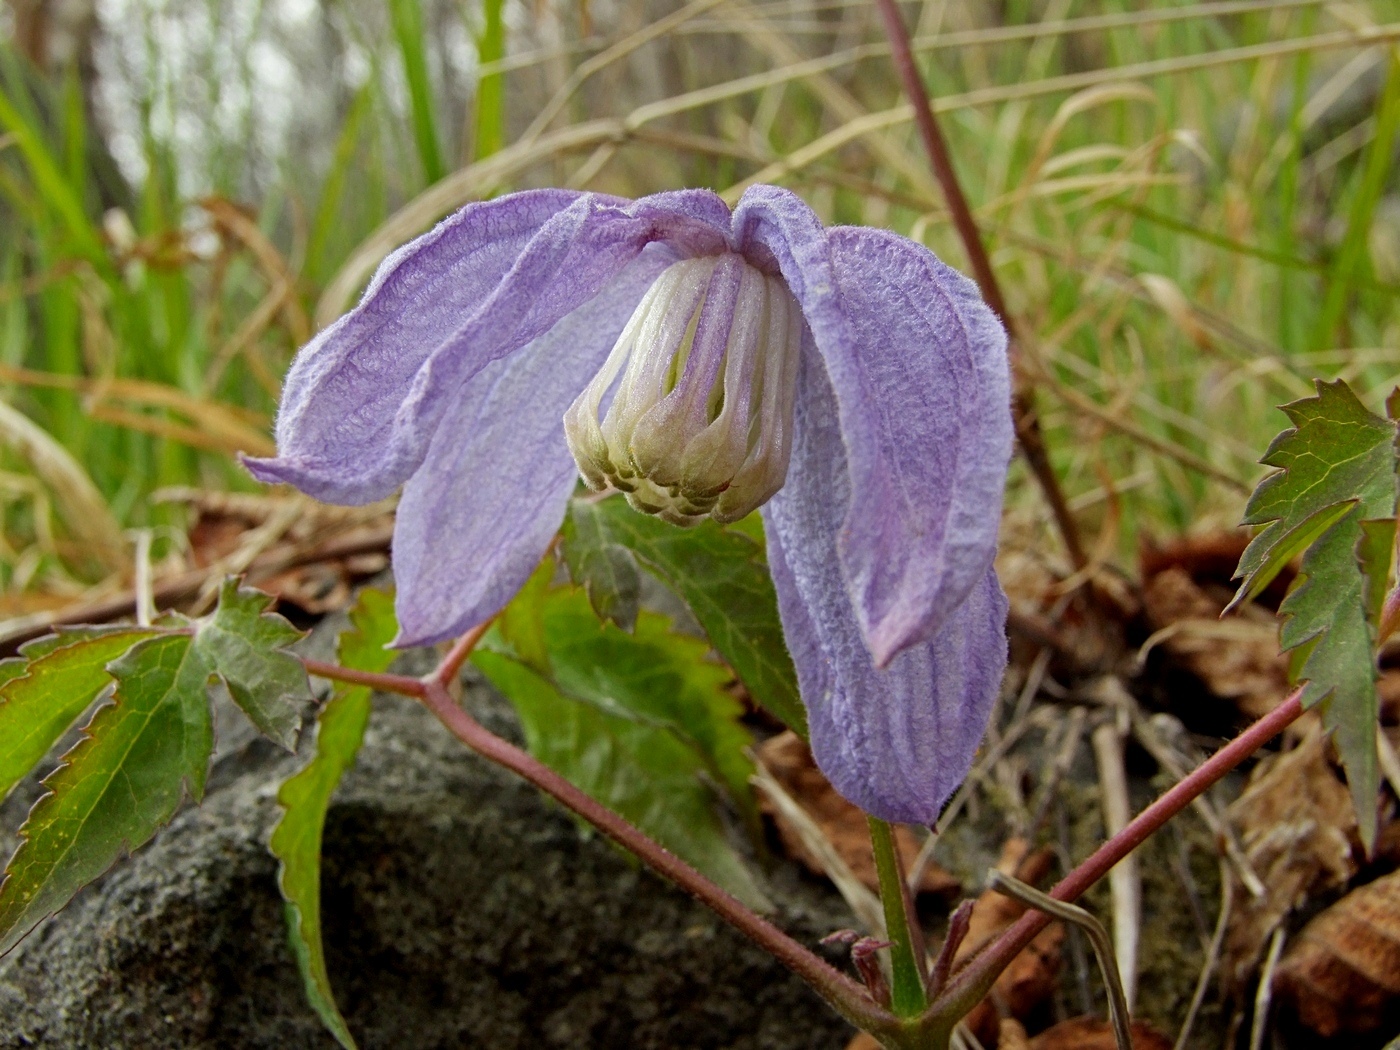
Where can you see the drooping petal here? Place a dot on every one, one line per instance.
(477, 516)
(918, 365)
(366, 396)
(895, 741)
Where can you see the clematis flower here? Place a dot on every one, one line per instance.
(706, 362)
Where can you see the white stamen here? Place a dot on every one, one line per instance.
(701, 421)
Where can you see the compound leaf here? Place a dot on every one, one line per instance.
(42, 694)
(306, 796)
(719, 572)
(122, 781)
(1337, 453)
(243, 643)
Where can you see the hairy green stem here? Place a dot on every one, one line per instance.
(907, 994)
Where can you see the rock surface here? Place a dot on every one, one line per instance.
(461, 909)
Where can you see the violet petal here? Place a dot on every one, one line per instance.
(918, 364)
(365, 397)
(895, 741)
(478, 515)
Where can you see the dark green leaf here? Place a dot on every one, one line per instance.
(1337, 453)
(607, 571)
(296, 841)
(43, 695)
(720, 574)
(648, 774)
(118, 785)
(654, 676)
(242, 642)
(1326, 614)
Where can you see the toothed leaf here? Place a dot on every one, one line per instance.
(44, 692)
(139, 754)
(720, 573)
(306, 796)
(1337, 453)
(242, 642)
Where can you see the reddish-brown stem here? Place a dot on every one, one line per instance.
(848, 998)
(845, 995)
(446, 671)
(386, 683)
(973, 982)
(1023, 398)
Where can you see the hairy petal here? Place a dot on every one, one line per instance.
(918, 365)
(897, 740)
(480, 512)
(367, 395)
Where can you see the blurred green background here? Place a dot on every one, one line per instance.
(1194, 209)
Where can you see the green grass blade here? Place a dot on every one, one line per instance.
(407, 17)
(491, 89)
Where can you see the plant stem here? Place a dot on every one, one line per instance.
(1027, 423)
(385, 683)
(844, 994)
(907, 995)
(976, 979)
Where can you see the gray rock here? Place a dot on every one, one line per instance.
(461, 909)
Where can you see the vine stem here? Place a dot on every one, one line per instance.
(1027, 422)
(969, 986)
(847, 997)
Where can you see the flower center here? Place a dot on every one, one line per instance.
(701, 421)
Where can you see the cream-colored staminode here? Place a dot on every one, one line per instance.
(701, 422)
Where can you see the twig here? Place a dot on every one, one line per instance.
(975, 979)
(1217, 940)
(1118, 1010)
(864, 905)
(145, 600)
(1023, 397)
(1264, 995)
(1125, 881)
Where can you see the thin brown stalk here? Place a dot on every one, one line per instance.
(1023, 409)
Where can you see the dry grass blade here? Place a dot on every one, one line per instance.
(873, 122)
(81, 506)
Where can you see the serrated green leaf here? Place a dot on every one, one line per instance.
(646, 773)
(242, 642)
(1337, 453)
(1326, 611)
(653, 676)
(139, 754)
(606, 571)
(306, 795)
(719, 573)
(44, 693)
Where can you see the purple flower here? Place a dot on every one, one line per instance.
(703, 361)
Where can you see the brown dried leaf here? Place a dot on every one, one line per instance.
(1237, 658)
(1091, 1033)
(790, 762)
(1295, 822)
(1031, 978)
(863, 1041)
(1341, 974)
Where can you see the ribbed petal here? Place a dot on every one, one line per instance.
(918, 365)
(895, 741)
(364, 399)
(477, 516)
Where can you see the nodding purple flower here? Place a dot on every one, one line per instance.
(704, 362)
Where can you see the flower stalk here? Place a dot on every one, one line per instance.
(908, 997)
